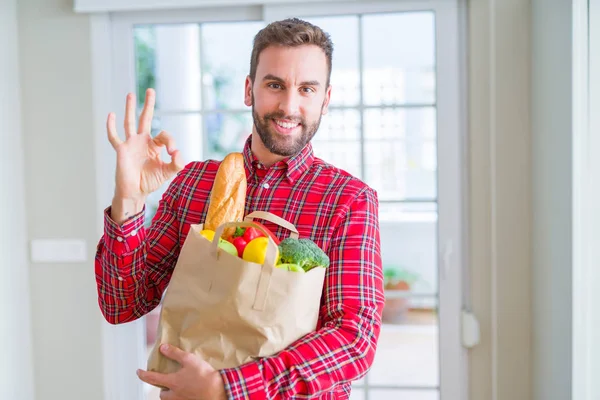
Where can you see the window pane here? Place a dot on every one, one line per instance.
(226, 49)
(342, 154)
(226, 133)
(186, 130)
(357, 394)
(390, 394)
(409, 255)
(144, 38)
(408, 352)
(339, 125)
(399, 58)
(398, 211)
(394, 123)
(338, 140)
(394, 175)
(409, 250)
(401, 152)
(168, 59)
(345, 73)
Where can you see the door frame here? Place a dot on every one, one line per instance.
(586, 196)
(124, 349)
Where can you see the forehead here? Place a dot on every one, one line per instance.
(303, 63)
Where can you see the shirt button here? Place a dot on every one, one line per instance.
(133, 232)
(120, 279)
(266, 185)
(119, 239)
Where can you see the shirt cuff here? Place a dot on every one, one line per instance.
(244, 382)
(124, 238)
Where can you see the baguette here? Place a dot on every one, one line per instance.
(228, 194)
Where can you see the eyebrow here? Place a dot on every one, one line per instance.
(271, 77)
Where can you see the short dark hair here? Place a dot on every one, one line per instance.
(290, 32)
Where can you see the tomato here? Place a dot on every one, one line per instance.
(256, 250)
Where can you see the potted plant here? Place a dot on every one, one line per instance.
(399, 282)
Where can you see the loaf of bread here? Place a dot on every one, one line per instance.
(228, 194)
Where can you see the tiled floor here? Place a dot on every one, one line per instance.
(407, 356)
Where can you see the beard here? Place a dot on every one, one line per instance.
(284, 145)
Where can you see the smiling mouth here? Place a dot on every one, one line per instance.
(286, 124)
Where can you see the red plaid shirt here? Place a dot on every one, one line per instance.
(337, 211)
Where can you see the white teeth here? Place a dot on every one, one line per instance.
(286, 125)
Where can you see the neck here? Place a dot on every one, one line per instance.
(263, 155)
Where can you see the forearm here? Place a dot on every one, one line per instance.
(134, 265)
(305, 368)
(121, 274)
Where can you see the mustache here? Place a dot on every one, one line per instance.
(280, 115)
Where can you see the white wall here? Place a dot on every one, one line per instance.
(552, 205)
(60, 180)
(499, 201)
(16, 369)
(520, 200)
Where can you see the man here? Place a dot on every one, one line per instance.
(288, 89)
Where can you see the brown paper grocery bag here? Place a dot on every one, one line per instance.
(229, 311)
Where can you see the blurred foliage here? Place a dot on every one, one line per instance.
(393, 274)
(145, 61)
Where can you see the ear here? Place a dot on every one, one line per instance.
(325, 107)
(248, 91)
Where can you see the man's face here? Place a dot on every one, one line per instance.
(288, 96)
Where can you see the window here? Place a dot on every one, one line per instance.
(382, 121)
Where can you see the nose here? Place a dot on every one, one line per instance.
(290, 103)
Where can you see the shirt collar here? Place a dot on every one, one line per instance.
(293, 166)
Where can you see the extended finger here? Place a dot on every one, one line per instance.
(147, 112)
(175, 353)
(130, 115)
(165, 139)
(111, 130)
(156, 378)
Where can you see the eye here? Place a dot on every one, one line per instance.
(307, 89)
(274, 85)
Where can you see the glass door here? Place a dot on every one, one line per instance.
(394, 122)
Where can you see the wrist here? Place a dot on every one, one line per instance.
(124, 208)
(219, 386)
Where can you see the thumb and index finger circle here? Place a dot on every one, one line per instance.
(165, 139)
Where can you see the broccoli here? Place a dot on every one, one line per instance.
(303, 252)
